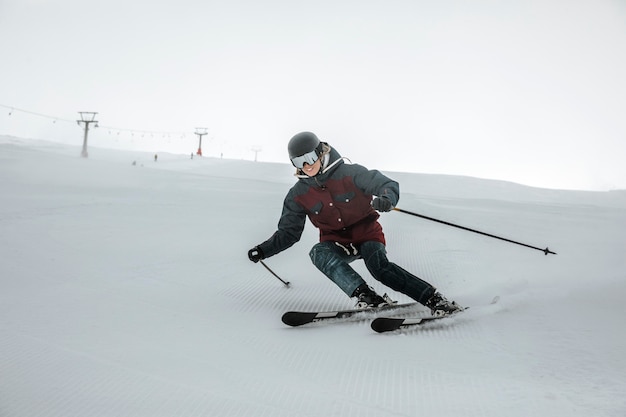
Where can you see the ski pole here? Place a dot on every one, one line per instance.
(546, 251)
(273, 273)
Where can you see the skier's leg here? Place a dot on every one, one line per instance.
(332, 261)
(375, 256)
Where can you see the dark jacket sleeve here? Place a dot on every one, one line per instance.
(290, 227)
(375, 183)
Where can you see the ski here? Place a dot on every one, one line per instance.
(299, 318)
(389, 324)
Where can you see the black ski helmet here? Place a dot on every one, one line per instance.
(302, 143)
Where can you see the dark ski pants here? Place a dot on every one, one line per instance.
(333, 260)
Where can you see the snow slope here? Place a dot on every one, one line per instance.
(125, 290)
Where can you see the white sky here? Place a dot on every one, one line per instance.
(526, 91)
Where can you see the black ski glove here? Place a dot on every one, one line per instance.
(382, 204)
(255, 254)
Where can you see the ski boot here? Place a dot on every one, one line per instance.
(439, 306)
(367, 298)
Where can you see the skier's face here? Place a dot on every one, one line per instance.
(313, 169)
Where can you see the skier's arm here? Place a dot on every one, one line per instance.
(375, 183)
(289, 231)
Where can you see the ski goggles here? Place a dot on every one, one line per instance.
(308, 158)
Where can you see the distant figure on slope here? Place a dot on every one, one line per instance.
(337, 199)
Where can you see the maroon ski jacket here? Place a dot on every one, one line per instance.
(337, 201)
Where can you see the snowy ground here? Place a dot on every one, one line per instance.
(125, 290)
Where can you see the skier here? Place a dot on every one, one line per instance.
(337, 199)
